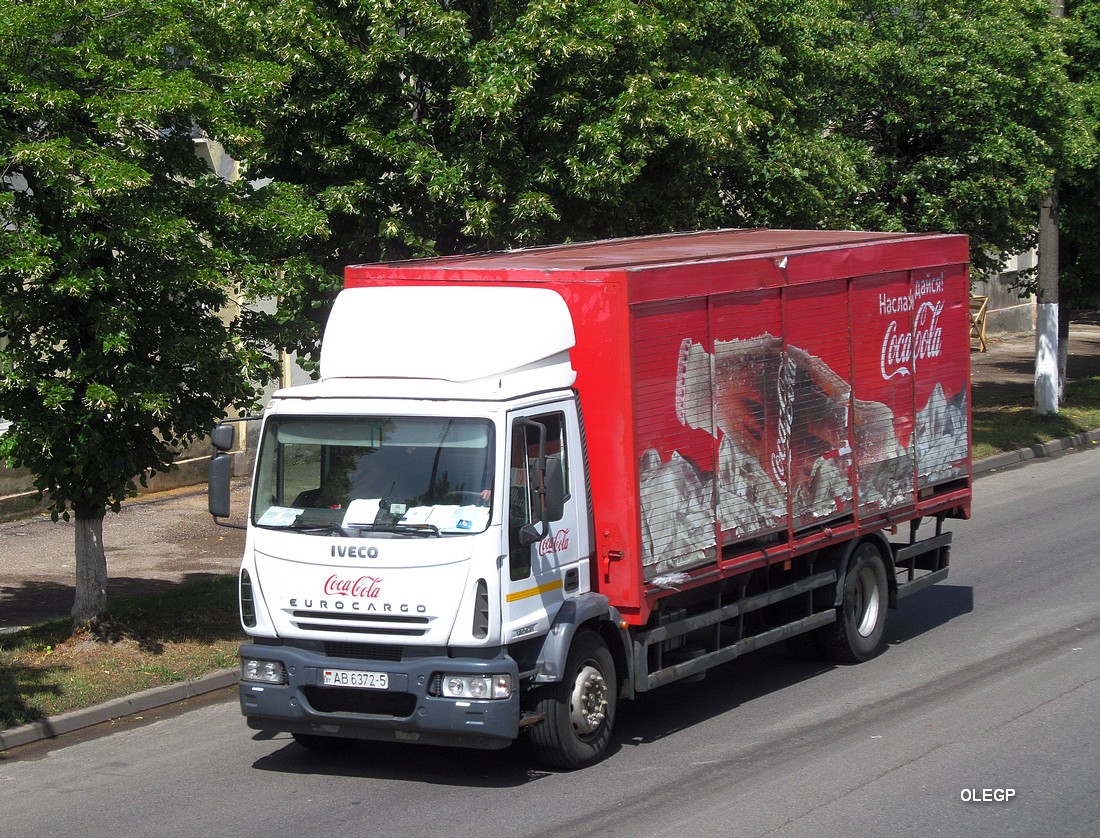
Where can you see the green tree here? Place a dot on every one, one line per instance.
(427, 127)
(967, 112)
(1079, 213)
(119, 249)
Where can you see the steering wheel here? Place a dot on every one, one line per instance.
(464, 498)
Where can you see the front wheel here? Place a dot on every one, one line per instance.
(579, 709)
(859, 632)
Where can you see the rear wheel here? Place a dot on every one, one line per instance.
(859, 632)
(579, 709)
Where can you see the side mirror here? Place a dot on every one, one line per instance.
(223, 437)
(221, 471)
(530, 533)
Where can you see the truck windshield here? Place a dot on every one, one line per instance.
(391, 474)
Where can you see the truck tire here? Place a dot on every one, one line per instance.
(579, 709)
(859, 632)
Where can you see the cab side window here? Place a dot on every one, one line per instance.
(522, 480)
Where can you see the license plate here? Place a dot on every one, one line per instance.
(356, 678)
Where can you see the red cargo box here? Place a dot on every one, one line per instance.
(751, 395)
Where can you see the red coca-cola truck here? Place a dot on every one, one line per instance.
(531, 484)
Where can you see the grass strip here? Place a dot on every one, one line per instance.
(1006, 426)
(143, 642)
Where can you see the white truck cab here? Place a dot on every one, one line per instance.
(412, 518)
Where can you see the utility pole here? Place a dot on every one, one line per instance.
(1046, 323)
(1047, 367)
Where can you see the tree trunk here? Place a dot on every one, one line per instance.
(1063, 351)
(91, 568)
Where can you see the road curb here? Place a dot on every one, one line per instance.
(55, 726)
(1085, 439)
(141, 702)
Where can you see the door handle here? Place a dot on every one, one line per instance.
(572, 580)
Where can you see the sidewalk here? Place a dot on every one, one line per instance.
(154, 543)
(1008, 367)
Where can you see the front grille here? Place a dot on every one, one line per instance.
(361, 623)
(351, 629)
(373, 702)
(363, 651)
(362, 618)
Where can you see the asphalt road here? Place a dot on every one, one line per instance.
(991, 683)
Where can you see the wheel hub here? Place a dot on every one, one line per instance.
(866, 603)
(588, 703)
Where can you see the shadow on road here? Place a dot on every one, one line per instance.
(507, 768)
(928, 610)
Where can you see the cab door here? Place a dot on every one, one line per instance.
(538, 575)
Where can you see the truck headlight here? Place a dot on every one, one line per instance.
(477, 686)
(265, 672)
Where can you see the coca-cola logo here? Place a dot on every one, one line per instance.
(901, 350)
(554, 543)
(365, 587)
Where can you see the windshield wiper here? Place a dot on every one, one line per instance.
(398, 528)
(421, 529)
(357, 530)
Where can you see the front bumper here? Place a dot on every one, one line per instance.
(405, 712)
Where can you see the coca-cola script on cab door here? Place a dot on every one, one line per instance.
(365, 587)
(554, 543)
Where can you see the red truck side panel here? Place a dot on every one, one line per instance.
(751, 395)
(883, 402)
(941, 376)
(820, 433)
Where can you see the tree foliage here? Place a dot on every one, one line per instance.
(431, 127)
(966, 111)
(120, 247)
(1079, 213)
(427, 127)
